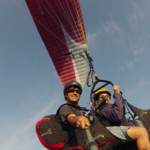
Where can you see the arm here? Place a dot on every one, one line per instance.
(113, 112)
(78, 121)
(73, 116)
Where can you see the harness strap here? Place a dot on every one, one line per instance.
(131, 114)
(124, 108)
(77, 107)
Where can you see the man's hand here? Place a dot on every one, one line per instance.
(78, 121)
(81, 122)
(116, 89)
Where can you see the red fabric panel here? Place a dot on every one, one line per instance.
(105, 141)
(76, 148)
(43, 12)
(49, 146)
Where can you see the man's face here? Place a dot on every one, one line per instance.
(101, 96)
(73, 94)
(105, 96)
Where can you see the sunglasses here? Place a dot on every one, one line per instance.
(77, 91)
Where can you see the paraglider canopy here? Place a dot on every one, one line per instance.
(60, 24)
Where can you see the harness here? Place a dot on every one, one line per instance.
(55, 135)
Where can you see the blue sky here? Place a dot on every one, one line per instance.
(118, 37)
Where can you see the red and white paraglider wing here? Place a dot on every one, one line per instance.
(60, 24)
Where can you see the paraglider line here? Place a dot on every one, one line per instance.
(55, 21)
(68, 19)
(39, 22)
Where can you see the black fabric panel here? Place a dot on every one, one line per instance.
(51, 132)
(75, 137)
(144, 116)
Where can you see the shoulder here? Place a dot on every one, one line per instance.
(67, 108)
(106, 106)
(105, 109)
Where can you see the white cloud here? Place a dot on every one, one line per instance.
(147, 35)
(144, 83)
(130, 91)
(23, 136)
(136, 16)
(91, 37)
(138, 51)
(137, 35)
(130, 64)
(111, 27)
(135, 89)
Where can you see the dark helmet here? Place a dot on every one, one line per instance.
(74, 84)
(100, 91)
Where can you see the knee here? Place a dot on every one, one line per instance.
(143, 131)
(137, 132)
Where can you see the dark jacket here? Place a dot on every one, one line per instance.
(113, 114)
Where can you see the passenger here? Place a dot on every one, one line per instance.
(69, 114)
(112, 116)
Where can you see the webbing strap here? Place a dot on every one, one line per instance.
(77, 107)
(91, 72)
(131, 114)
